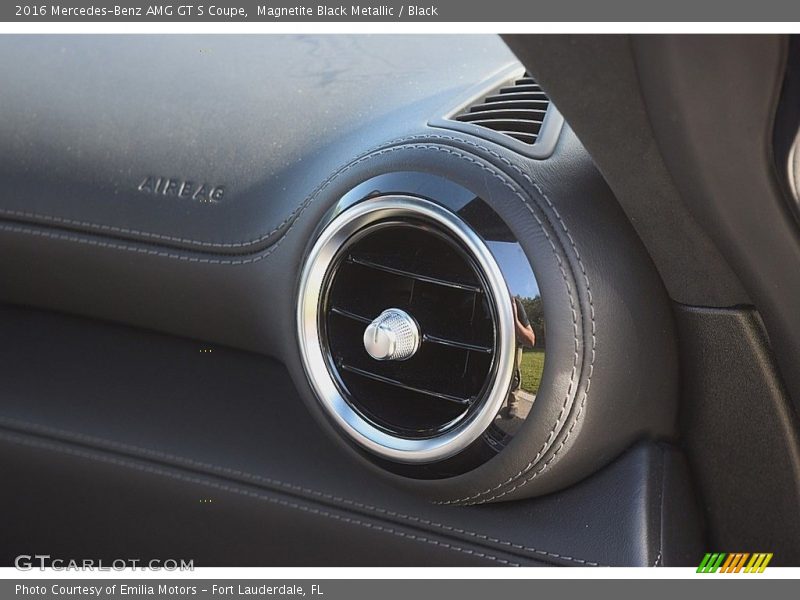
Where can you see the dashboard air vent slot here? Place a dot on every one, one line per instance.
(516, 110)
(406, 329)
(413, 266)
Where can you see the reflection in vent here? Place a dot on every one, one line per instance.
(517, 110)
(419, 269)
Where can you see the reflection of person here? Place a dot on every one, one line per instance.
(525, 339)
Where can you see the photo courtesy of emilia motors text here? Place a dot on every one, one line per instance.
(438, 300)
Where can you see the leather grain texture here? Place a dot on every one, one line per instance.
(611, 373)
(130, 430)
(157, 512)
(611, 369)
(602, 100)
(610, 329)
(193, 141)
(740, 432)
(717, 139)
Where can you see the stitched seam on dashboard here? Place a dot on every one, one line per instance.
(476, 498)
(100, 228)
(662, 484)
(104, 228)
(30, 230)
(259, 496)
(146, 234)
(220, 470)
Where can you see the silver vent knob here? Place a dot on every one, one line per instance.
(393, 335)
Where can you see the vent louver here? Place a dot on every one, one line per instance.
(406, 329)
(516, 110)
(413, 266)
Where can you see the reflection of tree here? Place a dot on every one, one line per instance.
(533, 308)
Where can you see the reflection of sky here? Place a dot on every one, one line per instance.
(509, 255)
(515, 267)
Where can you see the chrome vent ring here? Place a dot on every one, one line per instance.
(398, 297)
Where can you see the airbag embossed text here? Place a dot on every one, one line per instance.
(182, 188)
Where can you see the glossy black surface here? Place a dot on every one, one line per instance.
(412, 266)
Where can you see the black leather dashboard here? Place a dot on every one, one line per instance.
(208, 143)
(131, 430)
(158, 200)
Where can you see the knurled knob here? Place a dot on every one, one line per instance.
(393, 335)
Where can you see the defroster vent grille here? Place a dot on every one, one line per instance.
(517, 110)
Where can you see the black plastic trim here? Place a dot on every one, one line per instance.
(547, 136)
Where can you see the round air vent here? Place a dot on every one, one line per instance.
(406, 329)
(463, 333)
